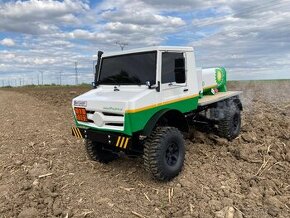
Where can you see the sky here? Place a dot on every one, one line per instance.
(49, 38)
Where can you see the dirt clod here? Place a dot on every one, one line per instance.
(228, 212)
(287, 157)
(273, 211)
(18, 162)
(56, 207)
(29, 213)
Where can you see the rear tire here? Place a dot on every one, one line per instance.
(96, 152)
(230, 125)
(164, 153)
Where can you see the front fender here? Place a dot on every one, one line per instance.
(153, 121)
(173, 117)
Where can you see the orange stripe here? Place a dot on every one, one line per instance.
(73, 131)
(76, 129)
(80, 133)
(75, 134)
(122, 142)
(117, 144)
(126, 142)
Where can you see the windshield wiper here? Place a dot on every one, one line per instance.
(110, 81)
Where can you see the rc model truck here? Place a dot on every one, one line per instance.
(144, 101)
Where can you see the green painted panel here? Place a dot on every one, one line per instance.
(136, 121)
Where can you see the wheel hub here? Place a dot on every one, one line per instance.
(235, 121)
(172, 153)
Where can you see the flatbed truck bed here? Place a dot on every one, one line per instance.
(220, 96)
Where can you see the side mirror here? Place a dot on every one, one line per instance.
(179, 70)
(148, 83)
(94, 85)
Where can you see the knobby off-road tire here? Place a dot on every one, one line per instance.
(230, 125)
(96, 152)
(164, 153)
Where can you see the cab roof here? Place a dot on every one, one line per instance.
(147, 49)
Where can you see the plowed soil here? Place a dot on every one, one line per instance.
(44, 171)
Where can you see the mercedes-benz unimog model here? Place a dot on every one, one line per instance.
(144, 101)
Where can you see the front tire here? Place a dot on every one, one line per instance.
(96, 152)
(164, 153)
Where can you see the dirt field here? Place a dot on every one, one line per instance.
(44, 171)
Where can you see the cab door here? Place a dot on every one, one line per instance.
(173, 77)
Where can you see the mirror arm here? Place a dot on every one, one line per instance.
(158, 86)
(154, 86)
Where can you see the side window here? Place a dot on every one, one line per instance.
(173, 68)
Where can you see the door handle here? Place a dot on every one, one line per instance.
(185, 90)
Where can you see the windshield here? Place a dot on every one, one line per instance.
(130, 69)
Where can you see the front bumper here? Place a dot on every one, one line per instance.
(107, 138)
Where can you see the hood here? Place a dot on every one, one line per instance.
(106, 105)
(105, 99)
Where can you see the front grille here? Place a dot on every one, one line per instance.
(106, 119)
(112, 114)
(114, 124)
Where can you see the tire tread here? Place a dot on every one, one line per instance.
(151, 151)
